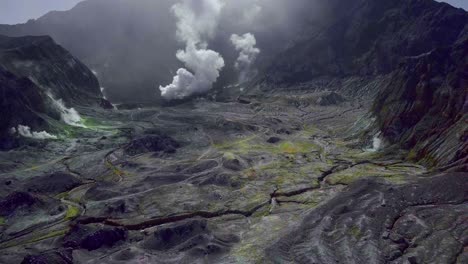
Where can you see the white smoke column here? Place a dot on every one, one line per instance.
(245, 44)
(196, 23)
(69, 115)
(25, 131)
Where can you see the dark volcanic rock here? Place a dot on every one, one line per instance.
(233, 164)
(373, 222)
(93, 237)
(50, 67)
(274, 140)
(365, 37)
(53, 257)
(331, 98)
(243, 100)
(201, 167)
(105, 104)
(169, 237)
(424, 106)
(15, 201)
(193, 237)
(152, 143)
(53, 184)
(21, 102)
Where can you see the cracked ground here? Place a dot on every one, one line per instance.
(274, 180)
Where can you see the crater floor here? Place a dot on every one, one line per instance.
(273, 180)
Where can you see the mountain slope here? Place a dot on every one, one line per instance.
(424, 106)
(131, 45)
(21, 102)
(51, 67)
(366, 37)
(416, 53)
(38, 80)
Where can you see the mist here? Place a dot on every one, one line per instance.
(133, 45)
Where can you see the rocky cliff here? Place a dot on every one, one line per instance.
(21, 102)
(50, 67)
(424, 106)
(415, 51)
(36, 76)
(366, 38)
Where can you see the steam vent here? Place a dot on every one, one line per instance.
(247, 131)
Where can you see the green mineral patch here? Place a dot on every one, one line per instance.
(2, 221)
(116, 171)
(260, 235)
(355, 232)
(72, 212)
(89, 122)
(255, 144)
(284, 173)
(229, 155)
(63, 195)
(348, 176)
(52, 234)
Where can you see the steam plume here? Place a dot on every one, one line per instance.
(25, 131)
(245, 44)
(197, 22)
(69, 115)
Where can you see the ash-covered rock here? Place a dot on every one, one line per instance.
(330, 98)
(16, 201)
(55, 183)
(152, 143)
(53, 257)
(370, 223)
(193, 237)
(93, 237)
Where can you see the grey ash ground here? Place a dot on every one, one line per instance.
(271, 180)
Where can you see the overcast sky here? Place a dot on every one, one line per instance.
(19, 11)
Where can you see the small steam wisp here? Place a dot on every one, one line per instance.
(376, 143)
(26, 132)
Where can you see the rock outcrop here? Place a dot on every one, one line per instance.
(50, 67)
(366, 38)
(21, 103)
(424, 106)
(372, 222)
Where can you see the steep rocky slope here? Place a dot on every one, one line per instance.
(21, 102)
(38, 81)
(119, 39)
(366, 38)
(50, 67)
(424, 106)
(412, 55)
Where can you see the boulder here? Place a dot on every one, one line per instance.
(152, 143)
(93, 237)
(55, 183)
(15, 201)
